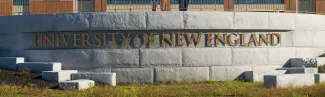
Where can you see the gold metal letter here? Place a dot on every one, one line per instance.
(253, 39)
(47, 39)
(194, 37)
(126, 39)
(264, 38)
(243, 39)
(179, 39)
(222, 38)
(278, 37)
(231, 41)
(170, 40)
(75, 39)
(137, 39)
(57, 40)
(85, 39)
(152, 37)
(113, 40)
(104, 39)
(66, 42)
(35, 41)
(209, 38)
(97, 39)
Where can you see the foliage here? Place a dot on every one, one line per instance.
(202, 89)
(23, 72)
(321, 69)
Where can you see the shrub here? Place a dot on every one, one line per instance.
(24, 71)
(321, 69)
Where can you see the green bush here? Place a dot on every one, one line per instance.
(24, 71)
(321, 69)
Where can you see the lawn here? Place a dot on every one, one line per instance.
(203, 89)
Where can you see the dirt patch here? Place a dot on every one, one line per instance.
(11, 77)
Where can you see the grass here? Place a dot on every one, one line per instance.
(228, 88)
(24, 71)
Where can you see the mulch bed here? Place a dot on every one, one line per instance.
(11, 77)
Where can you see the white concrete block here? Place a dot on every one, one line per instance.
(97, 70)
(318, 38)
(320, 78)
(117, 21)
(302, 38)
(320, 61)
(286, 39)
(165, 20)
(82, 58)
(71, 22)
(99, 77)
(296, 70)
(26, 23)
(243, 56)
(251, 20)
(181, 74)
(223, 73)
(161, 57)
(258, 72)
(57, 76)
(10, 62)
(282, 21)
(80, 84)
(134, 75)
(206, 56)
(296, 62)
(39, 55)
(305, 52)
(209, 20)
(309, 22)
(281, 55)
(116, 58)
(40, 66)
(12, 41)
(289, 80)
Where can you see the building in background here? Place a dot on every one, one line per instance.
(21, 7)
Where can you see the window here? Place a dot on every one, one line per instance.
(259, 1)
(21, 2)
(171, 1)
(129, 1)
(198, 1)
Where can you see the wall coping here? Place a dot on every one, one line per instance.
(173, 20)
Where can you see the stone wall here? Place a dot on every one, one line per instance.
(301, 36)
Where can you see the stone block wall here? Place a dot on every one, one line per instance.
(301, 37)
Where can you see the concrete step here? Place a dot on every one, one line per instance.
(57, 76)
(295, 70)
(320, 78)
(296, 62)
(258, 75)
(289, 80)
(79, 84)
(10, 62)
(40, 66)
(100, 77)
